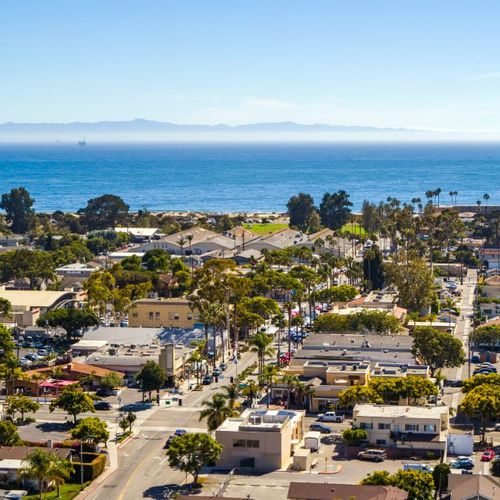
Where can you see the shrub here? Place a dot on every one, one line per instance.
(353, 437)
(92, 468)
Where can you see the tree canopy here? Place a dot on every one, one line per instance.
(436, 348)
(18, 208)
(192, 451)
(300, 210)
(419, 485)
(488, 335)
(379, 322)
(91, 429)
(103, 212)
(334, 210)
(72, 320)
(8, 434)
(151, 377)
(73, 401)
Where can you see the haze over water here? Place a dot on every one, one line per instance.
(246, 177)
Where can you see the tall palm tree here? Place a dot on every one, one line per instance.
(268, 378)
(436, 194)
(250, 392)
(10, 372)
(451, 193)
(262, 344)
(181, 242)
(216, 411)
(232, 393)
(291, 382)
(486, 197)
(59, 470)
(36, 466)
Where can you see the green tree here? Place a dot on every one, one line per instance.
(91, 429)
(419, 485)
(151, 377)
(481, 379)
(37, 466)
(18, 208)
(440, 476)
(216, 411)
(378, 478)
(72, 320)
(6, 342)
(413, 279)
(156, 260)
(489, 335)
(73, 401)
(436, 348)
(8, 434)
(482, 401)
(373, 268)
(5, 308)
(22, 404)
(36, 265)
(103, 212)
(334, 210)
(232, 393)
(60, 469)
(192, 451)
(300, 209)
(111, 381)
(131, 418)
(353, 437)
(262, 344)
(359, 394)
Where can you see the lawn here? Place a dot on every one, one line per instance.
(262, 229)
(353, 228)
(68, 491)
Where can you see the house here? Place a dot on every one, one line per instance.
(194, 241)
(77, 270)
(247, 257)
(490, 257)
(277, 241)
(29, 305)
(404, 427)
(489, 301)
(262, 439)
(333, 491)
(325, 241)
(43, 380)
(162, 313)
(472, 487)
(140, 234)
(11, 462)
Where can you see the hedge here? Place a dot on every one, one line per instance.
(91, 470)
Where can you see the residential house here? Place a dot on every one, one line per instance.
(262, 439)
(140, 234)
(490, 257)
(404, 427)
(472, 487)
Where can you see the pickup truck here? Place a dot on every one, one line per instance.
(330, 416)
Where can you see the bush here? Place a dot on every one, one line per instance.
(353, 437)
(91, 469)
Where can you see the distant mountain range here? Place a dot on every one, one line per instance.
(141, 126)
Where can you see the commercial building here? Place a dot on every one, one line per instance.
(404, 427)
(29, 305)
(332, 491)
(156, 313)
(264, 439)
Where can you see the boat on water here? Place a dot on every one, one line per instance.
(82, 143)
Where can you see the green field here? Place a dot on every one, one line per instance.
(353, 228)
(68, 491)
(261, 229)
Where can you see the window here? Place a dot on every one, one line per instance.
(430, 428)
(171, 315)
(189, 316)
(246, 443)
(411, 427)
(134, 315)
(239, 443)
(157, 315)
(384, 426)
(253, 443)
(366, 425)
(381, 441)
(176, 316)
(150, 315)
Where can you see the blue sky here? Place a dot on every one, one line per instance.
(423, 64)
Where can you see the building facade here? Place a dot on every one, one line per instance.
(157, 313)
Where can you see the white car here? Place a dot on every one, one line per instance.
(330, 416)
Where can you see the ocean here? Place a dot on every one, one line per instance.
(246, 177)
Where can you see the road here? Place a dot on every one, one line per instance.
(143, 471)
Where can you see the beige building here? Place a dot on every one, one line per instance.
(404, 427)
(157, 313)
(264, 439)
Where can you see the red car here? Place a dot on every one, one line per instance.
(487, 456)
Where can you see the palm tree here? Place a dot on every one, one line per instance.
(181, 242)
(451, 193)
(250, 392)
(36, 378)
(232, 394)
(437, 193)
(131, 418)
(268, 377)
(291, 382)
(59, 470)
(216, 411)
(87, 380)
(262, 344)
(430, 196)
(486, 197)
(10, 372)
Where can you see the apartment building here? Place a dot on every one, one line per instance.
(157, 313)
(404, 427)
(264, 439)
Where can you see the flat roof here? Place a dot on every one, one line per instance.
(123, 335)
(32, 298)
(391, 411)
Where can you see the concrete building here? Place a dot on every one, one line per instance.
(175, 313)
(262, 439)
(404, 427)
(29, 305)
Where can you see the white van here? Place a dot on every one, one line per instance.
(420, 467)
(312, 440)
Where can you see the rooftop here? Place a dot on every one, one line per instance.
(82, 368)
(20, 452)
(332, 491)
(32, 298)
(260, 420)
(390, 411)
(473, 486)
(138, 231)
(123, 335)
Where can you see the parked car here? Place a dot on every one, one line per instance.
(330, 416)
(462, 463)
(223, 366)
(324, 429)
(217, 372)
(180, 432)
(102, 405)
(374, 455)
(103, 392)
(487, 456)
(207, 380)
